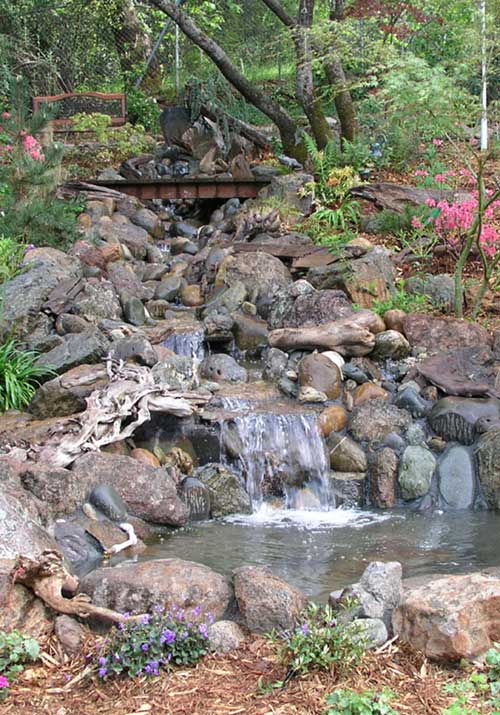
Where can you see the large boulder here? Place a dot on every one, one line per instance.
(24, 295)
(416, 469)
(96, 301)
(20, 533)
(437, 334)
(457, 480)
(461, 419)
(300, 304)
(265, 601)
(222, 368)
(374, 420)
(149, 493)
(227, 495)
(364, 279)
(377, 594)
(77, 348)
(66, 394)
(262, 275)
(488, 461)
(451, 618)
(291, 191)
(139, 587)
(135, 238)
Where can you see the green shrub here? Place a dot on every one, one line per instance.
(15, 651)
(321, 641)
(19, 376)
(401, 300)
(143, 110)
(11, 255)
(43, 221)
(94, 122)
(156, 642)
(348, 702)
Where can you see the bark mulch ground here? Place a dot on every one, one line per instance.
(226, 685)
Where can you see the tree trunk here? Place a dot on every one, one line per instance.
(289, 132)
(304, 80)
(342, 98)
(304, 84)
(133, 46)
(336, 76)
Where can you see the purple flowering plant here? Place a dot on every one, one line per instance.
(320, 640)
(157, 641)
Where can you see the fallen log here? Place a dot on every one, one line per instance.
(353, 336)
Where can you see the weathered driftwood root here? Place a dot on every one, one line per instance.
(114, 412)
(47, 578)
(350, 336)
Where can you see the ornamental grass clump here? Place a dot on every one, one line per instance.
(156, 642)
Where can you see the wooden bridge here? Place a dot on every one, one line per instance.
(216, 187)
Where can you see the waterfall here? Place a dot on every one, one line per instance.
(268, 447)
(185, 342)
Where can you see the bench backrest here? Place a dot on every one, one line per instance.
(68, 104)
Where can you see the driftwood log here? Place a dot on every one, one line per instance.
(395, 197)
(47, 577)
(113, 414)
(351, 336)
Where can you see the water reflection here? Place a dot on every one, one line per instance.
(321, 551)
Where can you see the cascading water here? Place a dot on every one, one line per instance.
(189, 343)
(270, 448)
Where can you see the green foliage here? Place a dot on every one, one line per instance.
(143, 110)
(155, 642)
(11, 255)
(130, 140)
(348, 702)
(19, 375)
(401, 300)
(29, 175)
(321, 641)
(15, 651)
(479, 694)
(425, 98)
(94, 122)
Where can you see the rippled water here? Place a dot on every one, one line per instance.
(321, 551)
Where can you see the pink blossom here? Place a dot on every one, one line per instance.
(431, 203)
(33, 147)
(416, 223)
(440, 178)
(437, 142)
(421, 172)
(5, 115)
(4, 682)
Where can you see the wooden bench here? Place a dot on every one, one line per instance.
(71, 103)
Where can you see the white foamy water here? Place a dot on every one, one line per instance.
(268, 515)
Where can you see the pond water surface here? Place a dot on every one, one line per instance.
(320, 551)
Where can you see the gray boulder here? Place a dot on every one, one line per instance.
(416, 469)
(77, 348)
(457, 481)
(227, 495)
(66, 394)
(222, 368)
(487, 454)
(224, 636)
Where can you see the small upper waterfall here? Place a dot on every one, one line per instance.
(188, 343)
(276, 451)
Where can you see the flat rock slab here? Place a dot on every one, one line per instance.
(437, 334)
(469, 372)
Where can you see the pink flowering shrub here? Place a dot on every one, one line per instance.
(455, 221)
